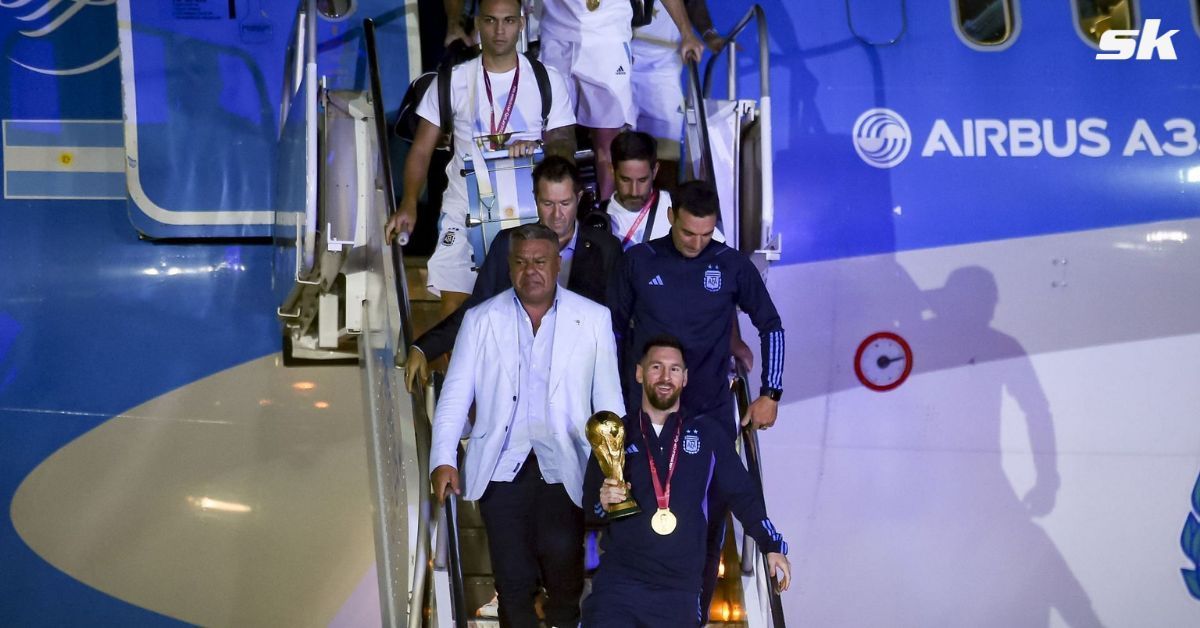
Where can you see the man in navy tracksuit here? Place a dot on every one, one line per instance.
(651, 570)
(687, 285)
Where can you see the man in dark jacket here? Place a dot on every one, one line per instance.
(650, 572)
(589, 255)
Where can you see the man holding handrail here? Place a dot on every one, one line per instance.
(536, 360)
(650, 572)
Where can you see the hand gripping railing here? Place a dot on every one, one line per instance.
(448, 555)
(750, 447)
(756, 13)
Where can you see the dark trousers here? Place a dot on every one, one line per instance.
(535, 535)
(718, 513)
(620, 602)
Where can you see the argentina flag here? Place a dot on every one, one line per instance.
(64, 159)
(510, 201)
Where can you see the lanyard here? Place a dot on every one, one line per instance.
(640, 217)
(494, 138)
(663, 496)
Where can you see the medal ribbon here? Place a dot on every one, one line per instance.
(640, 217)
(663, 496)
(508, 106)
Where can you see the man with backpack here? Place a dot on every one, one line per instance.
(498, 100)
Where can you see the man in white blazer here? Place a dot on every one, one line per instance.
(537, 360)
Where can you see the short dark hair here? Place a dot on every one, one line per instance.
(698, 198)
(555, 168)
(531, 231)
(663, 340)
(634, 145)
(520, 7)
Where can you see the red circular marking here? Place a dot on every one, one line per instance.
(862, 347)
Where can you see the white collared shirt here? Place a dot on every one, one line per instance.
(568, 256)
(529, 430)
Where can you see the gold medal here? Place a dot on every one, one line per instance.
(663, 521)
(497, 141)
(592, 5)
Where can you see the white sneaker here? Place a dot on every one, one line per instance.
(491, 609)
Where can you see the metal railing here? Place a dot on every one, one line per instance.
(730, 49)
(453, 563)
(750, 449)
(448, 556)
(695, 101)
(400, 434)
(389, 191)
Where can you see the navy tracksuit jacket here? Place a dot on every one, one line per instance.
(674, 562)
(659, 291)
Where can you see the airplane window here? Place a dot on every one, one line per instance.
(1098, 16)
(336, 10)
(985, 22)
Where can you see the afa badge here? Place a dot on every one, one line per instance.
(691, 443)
(712, 279)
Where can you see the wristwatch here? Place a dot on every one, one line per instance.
(774, 394)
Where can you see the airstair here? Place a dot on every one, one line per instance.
(347, 298)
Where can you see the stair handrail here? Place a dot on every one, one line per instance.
(757, 14)
(751, 450)
(767, 211)
(384, 188)
(389, 191)
(695, 100)
(458, 596)
(449, 555)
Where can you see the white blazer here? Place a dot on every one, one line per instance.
(484, 367)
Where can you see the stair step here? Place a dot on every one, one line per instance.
(417, 276)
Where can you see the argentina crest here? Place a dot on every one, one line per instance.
(712, 278)
(691, 440)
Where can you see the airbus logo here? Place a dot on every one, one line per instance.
(881, 137)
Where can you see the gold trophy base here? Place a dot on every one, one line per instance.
(627, 508)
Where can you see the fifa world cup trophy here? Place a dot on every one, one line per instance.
(606, 433)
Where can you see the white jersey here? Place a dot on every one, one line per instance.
(623, 220)
(570, 20)
(533, 19)
(656, 45)
(472, 122)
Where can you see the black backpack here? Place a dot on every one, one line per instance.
(407, 121)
